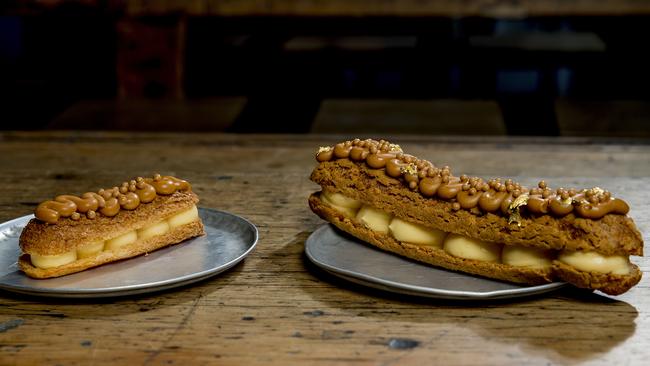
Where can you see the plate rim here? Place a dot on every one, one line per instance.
(416, 290)
(139, 288)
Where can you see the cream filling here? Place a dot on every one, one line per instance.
(407, 232)
(90, 249)
(596, 262)
(184, 218)
(347, 206)
(122, 240)
(520, 256)
(159, 228)
(93, 249)
(374, 219)
(470, 248)
(342, 201)
(51, 261)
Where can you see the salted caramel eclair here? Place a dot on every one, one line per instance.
(496, 228)
(71, 233)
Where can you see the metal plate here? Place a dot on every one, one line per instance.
(228, 240)
(347, 257)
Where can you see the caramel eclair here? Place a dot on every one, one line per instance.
(70, 233)
(497, 228)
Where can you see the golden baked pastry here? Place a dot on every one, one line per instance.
(70, 234)
(497, 228)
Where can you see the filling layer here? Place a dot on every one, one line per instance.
(113, 244)
(464, 247)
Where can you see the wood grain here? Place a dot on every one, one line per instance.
(276, 308)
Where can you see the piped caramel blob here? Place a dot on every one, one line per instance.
(498, 196)
(109, 202)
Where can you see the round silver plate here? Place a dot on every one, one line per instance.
(228, 240)
(347, 257)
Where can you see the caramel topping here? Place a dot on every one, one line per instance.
(109, 202)
(504, 197)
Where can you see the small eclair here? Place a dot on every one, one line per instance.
(70, 233)
(497, 228)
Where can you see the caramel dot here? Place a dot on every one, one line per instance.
(132, 188)
(592, 199)
(465, 187)
(124, 189)
(516, 193)
(508, 182)
(75, 216)
(91, 214)
(564, 195)
(413, 184)
(541, 184)
(373, 149)
(157, 177)
(509, 187)
(572, 192)
(455, 206)
(500, 187)
(472, 191)
(445, 179)
(356, 141)
(546, 193)
(139, 179)
(485, 187)
(463, 178)
(432, 173)
(140, 185)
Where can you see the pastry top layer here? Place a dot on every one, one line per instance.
(109, 202)
(45, 239)
(497, 196)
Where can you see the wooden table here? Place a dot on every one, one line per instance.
(276, 308)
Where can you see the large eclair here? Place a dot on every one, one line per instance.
(497, 228)
(70, 233)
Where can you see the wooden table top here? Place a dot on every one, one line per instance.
(276, 308)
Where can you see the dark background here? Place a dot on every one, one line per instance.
(102, 65)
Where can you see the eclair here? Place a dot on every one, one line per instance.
(73, 233)
(496, 228)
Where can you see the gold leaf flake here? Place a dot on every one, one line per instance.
(394, 148)
(597, 191)
(522, 200)
(514, 206)
(409, 169)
